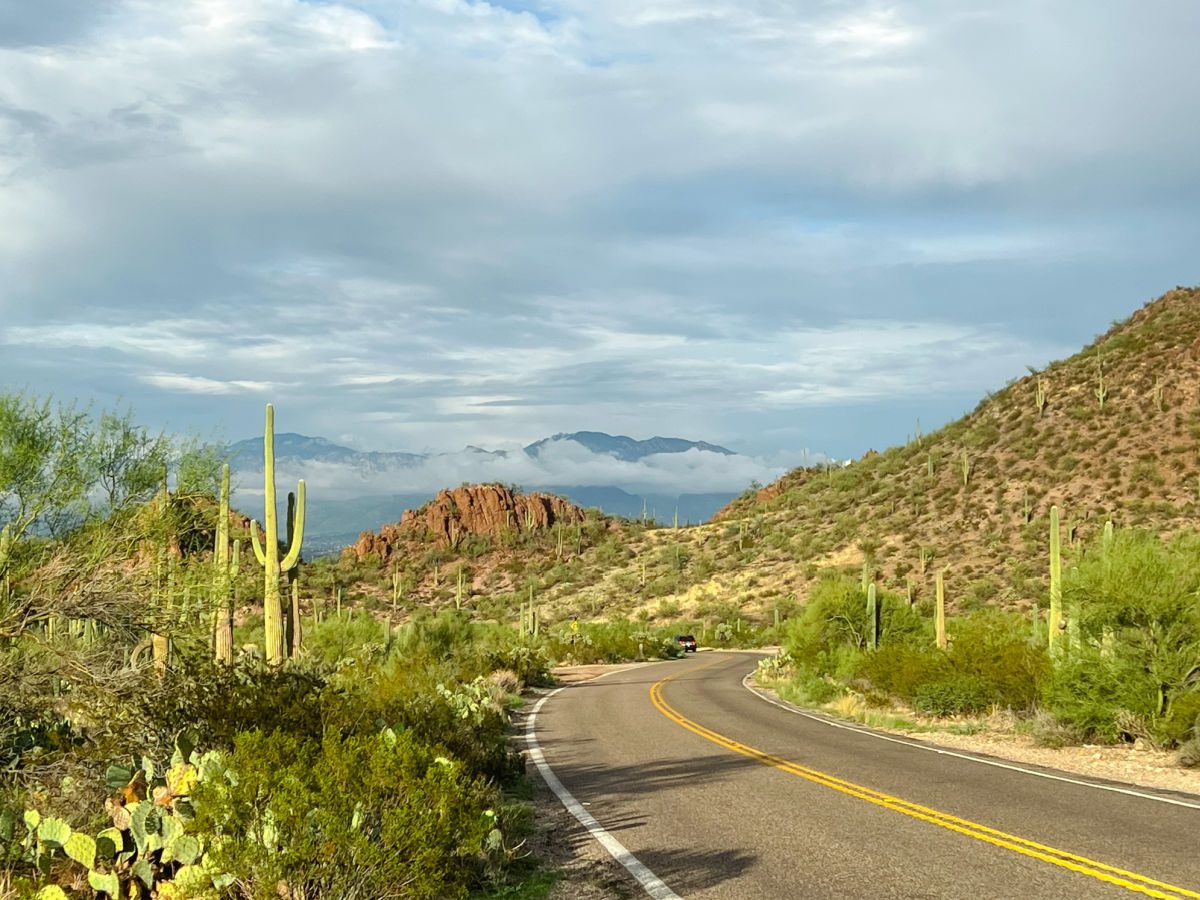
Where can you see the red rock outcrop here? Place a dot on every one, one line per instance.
(489, 509)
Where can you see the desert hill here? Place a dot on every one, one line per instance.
(1112, 432)
(1109, 433)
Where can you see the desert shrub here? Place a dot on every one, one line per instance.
(900, 669)
(836, 616)
(993, 647)
(1138, 636)
(953, 696)
(216, 702)
(1086, 691)
(362, 816)
(414, 698)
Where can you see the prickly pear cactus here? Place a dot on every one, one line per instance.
(147, 850)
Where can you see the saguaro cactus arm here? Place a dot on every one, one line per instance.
(259, 553)
(293, 553)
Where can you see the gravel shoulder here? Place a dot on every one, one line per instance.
(1126, 764)
(1142, 768)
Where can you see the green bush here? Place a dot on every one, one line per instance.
(954, 696)
(993, 647)
(410, 695)
(900, 669)
(362, 816)
(1086, 691)
(1138, 638)
(217, 702)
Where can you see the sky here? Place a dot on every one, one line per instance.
(421, 224)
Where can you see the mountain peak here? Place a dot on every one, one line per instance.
(624, 447)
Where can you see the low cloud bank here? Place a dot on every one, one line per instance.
(563, 463)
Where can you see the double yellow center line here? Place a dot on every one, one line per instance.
(1080, 864)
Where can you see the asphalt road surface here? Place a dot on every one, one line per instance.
(718, 793)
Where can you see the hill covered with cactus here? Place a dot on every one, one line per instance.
(1113, 432)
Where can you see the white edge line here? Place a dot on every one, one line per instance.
(651, 883)
(916, 745)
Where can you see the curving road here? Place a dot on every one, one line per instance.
(715, 792)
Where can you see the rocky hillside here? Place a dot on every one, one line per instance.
(479, 546)
(1111, 432)
(1114, 431)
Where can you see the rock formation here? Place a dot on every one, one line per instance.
(489, 509)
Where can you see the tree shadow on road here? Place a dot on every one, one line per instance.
(694, 870)
(640, 779)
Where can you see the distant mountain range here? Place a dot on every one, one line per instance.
(248, 454)
(351, 491)
(626, 448)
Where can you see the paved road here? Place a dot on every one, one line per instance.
(721, 794)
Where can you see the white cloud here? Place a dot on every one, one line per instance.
(195, 384)
(560, 464)
(432, 222)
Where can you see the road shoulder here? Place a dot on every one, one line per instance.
(1121, 765)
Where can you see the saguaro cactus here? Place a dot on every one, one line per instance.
(268, 556)
(6, 543)
(397, 589)
(939, 611)
(1039, 395)
(296, 627)
(872, 617)
(223, 627)
(1054, 623)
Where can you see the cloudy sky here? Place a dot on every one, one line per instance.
(418, 224)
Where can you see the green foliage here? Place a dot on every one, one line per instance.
(837, 616)
(217, 702)
(989, 660)
(958, 695)
(361, 816)
(1143, 592)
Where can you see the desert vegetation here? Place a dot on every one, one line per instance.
(1114, 656)
(176, 721)
(190, 708)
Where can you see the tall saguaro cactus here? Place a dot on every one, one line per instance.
(939, 611)
(223, 627)
(1055, 621)
(872, 617)
(275, 647)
